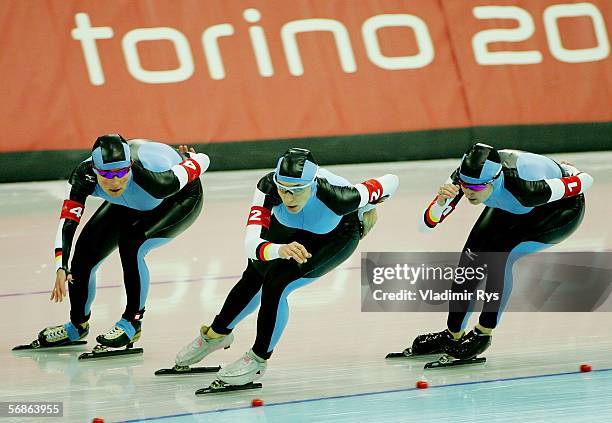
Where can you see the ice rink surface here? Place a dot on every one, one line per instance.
(329, 366)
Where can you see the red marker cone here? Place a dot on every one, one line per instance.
(422, 384)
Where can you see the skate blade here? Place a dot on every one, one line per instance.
(446, 361)
(35, 345)
(218, 387)
(100, 351)
(407, 353)
(186, 370)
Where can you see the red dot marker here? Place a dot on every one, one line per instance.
(585, 368)
(97, 420)
(422, 384)
(256, 402)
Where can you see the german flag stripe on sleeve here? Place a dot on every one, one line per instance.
(261, 251)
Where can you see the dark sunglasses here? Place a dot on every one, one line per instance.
(474, 187)
(110, 174)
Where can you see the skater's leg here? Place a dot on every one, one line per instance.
(97, 240)
(280, 279)
(286, 277)
(274, 313)
(151, 230)
(484, 230)
(500, 280)
(544, 227)
(485, 237)
(241, 301)
(535, 231)
(132, 249)
(245, 297)
(492, 234)
(148, 230)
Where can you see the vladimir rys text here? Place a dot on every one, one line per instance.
(425, 276)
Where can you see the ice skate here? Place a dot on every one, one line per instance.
(186, 370)
(464, 351)
(472, 344)
(123, 334)
(195, 351)
(64, 335)
(239, 375)
(427, 344)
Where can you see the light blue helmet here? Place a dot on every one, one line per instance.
(111, 152)
(481, 164)
(297, 165)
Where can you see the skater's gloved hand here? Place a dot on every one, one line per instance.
(445, 192)
(184, 149)
(569, 168)
(369, 220)
(295, 251)
(202, 159)
(59, 290)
